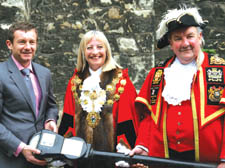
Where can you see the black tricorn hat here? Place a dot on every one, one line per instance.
(183, 20)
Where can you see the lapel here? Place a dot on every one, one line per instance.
(17, 77)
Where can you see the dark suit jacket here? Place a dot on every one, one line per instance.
(17, 116)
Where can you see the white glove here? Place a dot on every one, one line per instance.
(122, 163)
(57, 163)
(122, 149)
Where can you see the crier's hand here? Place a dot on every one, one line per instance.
(138, 151)
(29, 152)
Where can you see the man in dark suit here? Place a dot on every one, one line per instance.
(23, 114)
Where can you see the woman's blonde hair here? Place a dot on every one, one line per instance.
(109, 64)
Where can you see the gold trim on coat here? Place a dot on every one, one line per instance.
(215, 114)
(165, 139)
(195, 123)
(144, 101)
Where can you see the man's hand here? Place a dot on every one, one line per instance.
(51, 125)
(29, 152)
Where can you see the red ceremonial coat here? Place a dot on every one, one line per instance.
(118, 118)
(207, 104)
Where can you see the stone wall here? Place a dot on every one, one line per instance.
(128, 24)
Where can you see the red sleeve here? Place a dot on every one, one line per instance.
(144, 131)
(144, 95)
(142, 104)
(127, 119)
(69, 103)
(126, 109)
(222, 155)
(67, 124)
(222, 100)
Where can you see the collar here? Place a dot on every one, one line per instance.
(95, 73)
(19, 66)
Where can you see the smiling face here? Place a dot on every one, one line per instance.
(95, 53)
(186, 44)
(24, 46)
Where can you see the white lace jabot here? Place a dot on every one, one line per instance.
(178, 79)
(92, 82)
(92, 96)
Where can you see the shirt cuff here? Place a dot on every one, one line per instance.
(49, 120)
(19, 148)
(142, 147)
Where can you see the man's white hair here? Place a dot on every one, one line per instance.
(175, 14)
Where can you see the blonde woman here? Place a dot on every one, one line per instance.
(99, 100)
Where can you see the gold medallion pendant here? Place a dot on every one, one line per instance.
(93, 119)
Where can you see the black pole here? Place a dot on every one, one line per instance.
(114, 157)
